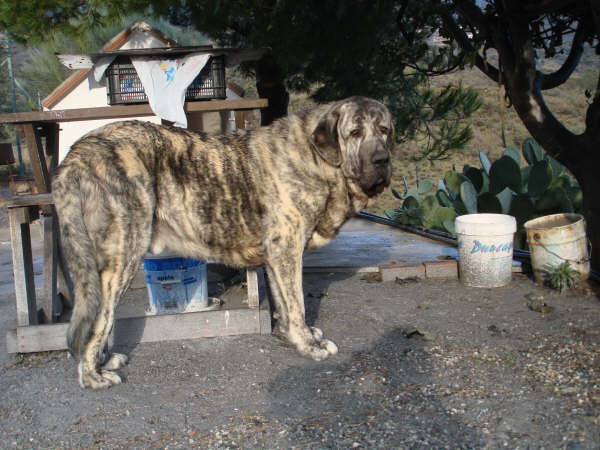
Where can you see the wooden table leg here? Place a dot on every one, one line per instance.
(22, 260)
(252, 286)
(50, 302)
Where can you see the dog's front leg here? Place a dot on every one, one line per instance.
(284, 268)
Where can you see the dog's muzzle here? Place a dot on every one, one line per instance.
(377, 172)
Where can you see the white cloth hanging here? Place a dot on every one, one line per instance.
(165, 83)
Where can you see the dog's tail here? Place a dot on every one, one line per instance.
(79, 253)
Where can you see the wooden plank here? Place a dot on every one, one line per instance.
(50, 302)
(51, 131)
(240, 120)
(22, 260)
(65, 286)
(37, 338)
(264, 310)
(121, 111)
(252, 287)
(37, 158)
(86, 61)
(19, 201)
(341, 269)
(134, 330)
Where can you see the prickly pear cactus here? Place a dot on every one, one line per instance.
(505, 186)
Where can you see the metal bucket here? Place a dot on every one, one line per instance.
(555, 239)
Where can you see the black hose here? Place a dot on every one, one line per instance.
(522, 255)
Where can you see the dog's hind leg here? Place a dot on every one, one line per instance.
(115, 279)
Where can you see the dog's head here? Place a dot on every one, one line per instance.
(357, 134)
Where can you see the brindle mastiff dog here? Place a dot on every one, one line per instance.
(245, 199)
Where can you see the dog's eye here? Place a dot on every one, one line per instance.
(383, 130)
(356, 132)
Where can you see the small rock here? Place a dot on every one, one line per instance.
(537, 303)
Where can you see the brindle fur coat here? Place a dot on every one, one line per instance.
(244, 199)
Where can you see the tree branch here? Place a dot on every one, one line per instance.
(465, 43)
(550, 81)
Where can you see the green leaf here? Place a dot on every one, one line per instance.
(425, 186)
(396, 194)
(453, 180)
(449, 226)
(443, 199)
(412, 193)
(468, 195)
(488, 203)
(429, 206)
(505, 173)
(557, 168)
(485, 162)
(525, 172)
(563, 181)
(532, 151)
(505, 198)
(411, 202)
(390, 213)
(485, 187)
(443, 215)
(476, 177)
(575, 196)
(539, 178)
(459, 207)
(513, 153)
(554, 200)
(522, 208)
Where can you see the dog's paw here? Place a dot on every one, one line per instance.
(98, 380)
(317, 333)
(116, 361)
(318, 351)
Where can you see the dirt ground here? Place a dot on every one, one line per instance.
(426, 364)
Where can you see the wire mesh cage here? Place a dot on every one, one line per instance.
(124, 85)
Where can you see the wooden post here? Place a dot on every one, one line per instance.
(240, 119)
(37, 157)
(252, 286)
(50, 302)
(22, 260)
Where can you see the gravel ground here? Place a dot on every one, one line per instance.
(421, 365)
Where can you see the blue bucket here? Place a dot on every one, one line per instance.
(175, 284)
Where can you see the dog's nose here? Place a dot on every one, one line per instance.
(380, 158)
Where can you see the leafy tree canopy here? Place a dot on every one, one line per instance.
(332, 49)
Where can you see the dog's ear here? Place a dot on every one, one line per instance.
(325, 140)
(391, 139)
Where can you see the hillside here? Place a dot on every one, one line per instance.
(568, 102)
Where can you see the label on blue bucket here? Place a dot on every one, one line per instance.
(176, 284)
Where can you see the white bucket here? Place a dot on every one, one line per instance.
(555, 239)
(485, 249)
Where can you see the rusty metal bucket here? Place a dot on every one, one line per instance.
(555, 239)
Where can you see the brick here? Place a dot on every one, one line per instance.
(441, 269)
(390, 272)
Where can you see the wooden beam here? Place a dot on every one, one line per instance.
(252, 288)
(22, 261)
(134, 330)
(37, 157)
(19, 201)
(121, 111)
(50, 302)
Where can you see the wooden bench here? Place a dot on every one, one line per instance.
(37, 329)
